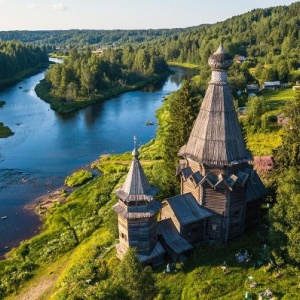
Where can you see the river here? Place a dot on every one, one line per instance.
(46, 146)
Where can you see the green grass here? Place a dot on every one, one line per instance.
(203, 278)
(78, 237)
(77, 245)
(261, 144)
(277, 98)
(185, 65)
(78, 178)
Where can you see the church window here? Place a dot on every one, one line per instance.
(214, 227)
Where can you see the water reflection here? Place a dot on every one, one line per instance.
(47, 146)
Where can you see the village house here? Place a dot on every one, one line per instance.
(271, 84)
(220, 192)
(240, 58)
(252, 89)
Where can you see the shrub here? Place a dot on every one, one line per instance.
(78, 178)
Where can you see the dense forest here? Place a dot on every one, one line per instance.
(66, 39)
(267, 38)
(85, 73)
(86, 77)
(18, 60)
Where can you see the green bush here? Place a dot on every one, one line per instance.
(5, 131)
(78, 178)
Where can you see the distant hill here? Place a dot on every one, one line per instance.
(80, 38)
(259, 33)
(267, 39)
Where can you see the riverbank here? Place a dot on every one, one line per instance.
(62, 106)
(48, 146)
(76, 248)
(4, 130)
(184, 65)
(5, 83)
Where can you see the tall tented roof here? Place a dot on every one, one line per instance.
(216, 138)
(136, 186)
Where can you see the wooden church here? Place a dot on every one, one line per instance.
(220, 192)
(137, 212)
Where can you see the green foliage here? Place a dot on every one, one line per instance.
(14, 274)
(256, 120)
(92, 270)
(17, 60)
(288, 154)
(175, 118)
(87, 271)
(138, 283)
(69, 39)
(66, 227)
(268, 38)
(78, 178)
(264, 143)
(85, 74)
(284, 217)
(203, 277)
(5, 131)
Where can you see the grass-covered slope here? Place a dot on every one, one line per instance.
(75, 258)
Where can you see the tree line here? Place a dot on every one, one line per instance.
(16, 58)
(268, 38)
(75, 38)
(84, 73)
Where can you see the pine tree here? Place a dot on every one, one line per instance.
(138, 283)
(288, 154)
(284, 216)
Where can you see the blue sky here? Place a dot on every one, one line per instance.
(121, 14)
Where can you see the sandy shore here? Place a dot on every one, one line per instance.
(43, 203)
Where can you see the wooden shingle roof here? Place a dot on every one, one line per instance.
(216, 138)
(186, 209)
(137, 212)
(172, 238)
(255, 188)
(156, 252)
(136, 186)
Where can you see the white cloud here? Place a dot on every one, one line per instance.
(59, 6)
(32, 6)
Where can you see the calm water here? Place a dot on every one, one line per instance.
(47, 146)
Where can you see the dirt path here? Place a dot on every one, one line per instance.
(36, 290)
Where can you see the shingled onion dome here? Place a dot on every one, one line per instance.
(220, 59)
